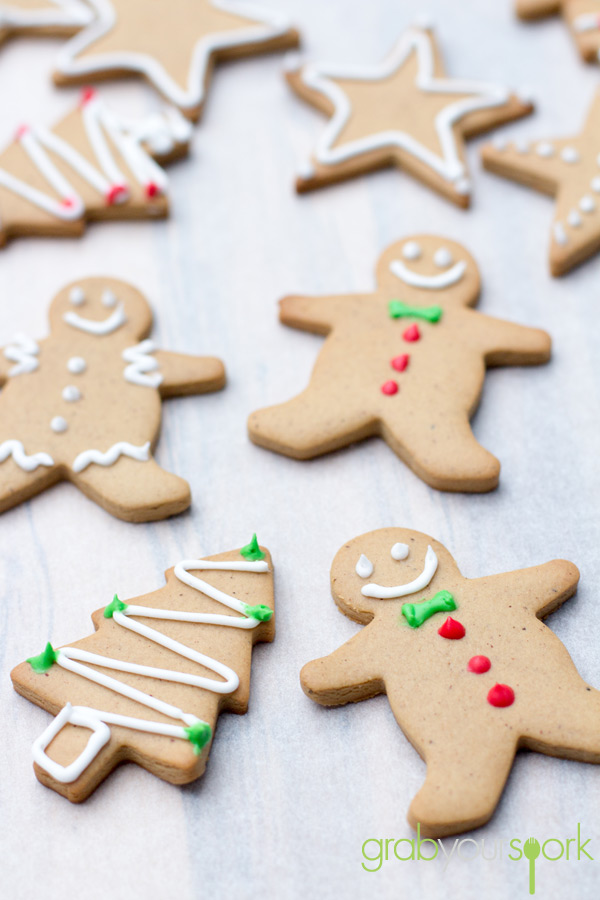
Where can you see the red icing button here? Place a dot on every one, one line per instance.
(412, 333)
(68, 203)
(87, 94)
(114, 192)
(389, 388)
(501, 695)
(151, 189)
(479, 664)
(399, 363)
(452, 629)
(21, 131)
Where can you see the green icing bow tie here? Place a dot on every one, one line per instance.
(400, 310)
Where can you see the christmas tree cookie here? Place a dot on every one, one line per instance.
(84, 404)
(406, 363)
(149, 685)
(471, 672)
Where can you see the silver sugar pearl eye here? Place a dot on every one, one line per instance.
(364, 566)
(411, 250)
(76, 296)
(108, 298)
(399, 551)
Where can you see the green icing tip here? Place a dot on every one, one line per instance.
(115, 606)
(398, 310)
(418, 613)
(45, 660)
(198, 734)
(252, 550)
(261, 612)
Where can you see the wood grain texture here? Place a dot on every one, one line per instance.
(293, 790)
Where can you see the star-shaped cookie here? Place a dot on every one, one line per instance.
(582, 17)
(402, 112)
(173, 44)
(568, 168)
(60, 18)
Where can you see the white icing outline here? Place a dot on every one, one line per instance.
(273, 25)
(74, 658)
(428, 282)
(98, 327)
(22, 351)
(586, 22)
(449, 165)
(25, 461)
(69, 13)
(121, 448)
(381, 592)
(140, 363)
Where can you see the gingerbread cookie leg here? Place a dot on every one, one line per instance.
(345, 676)
(18, 481)
(570, 727)
(136, 490)
(443, 451)
(313, 423)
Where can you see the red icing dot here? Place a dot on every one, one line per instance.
(389, 388)
(452, 629)
(501, 695)
(479, 664)
(68, 202)
(21, 130)
(399, 363)
(412, 333)
(114, 192)
(87, 94)
(151, 189)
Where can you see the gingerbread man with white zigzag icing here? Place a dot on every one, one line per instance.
(406, 362)
(84, 404)
(470, 671)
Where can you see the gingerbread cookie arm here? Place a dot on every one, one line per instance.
(508, 344)
(537, 9)
(183, 374)
(345, 676)
(538, 589)
(316, 314)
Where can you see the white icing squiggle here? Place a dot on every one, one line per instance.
(26, 462)
(141, 363)
(22, 351)
(79, 661)
(122, 448)
(93, 326)
(381, 592)
(428, 282)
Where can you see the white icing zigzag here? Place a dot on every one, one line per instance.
(140, 362)
(122, 448)
(22, 459)
(23, 351)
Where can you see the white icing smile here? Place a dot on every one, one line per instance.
(429, 282)
(381, 592)
(93, 326)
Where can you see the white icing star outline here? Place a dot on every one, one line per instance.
(449, 165)
(269, 25)
(68, 13)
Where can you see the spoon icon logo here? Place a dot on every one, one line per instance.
(531, 849)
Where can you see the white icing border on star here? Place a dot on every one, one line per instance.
(449, 165)
(68, 13)
(270, 25)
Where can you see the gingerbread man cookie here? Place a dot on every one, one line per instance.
(403, 112)
(470, 671)
(93, 165)
(173, 44)
(582, 17)
(84, 404)
(568, 168)
(60, 18)
(406, 362)
(149, 685)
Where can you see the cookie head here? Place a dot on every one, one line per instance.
(386, 567)
(427, 269)
(100, 307)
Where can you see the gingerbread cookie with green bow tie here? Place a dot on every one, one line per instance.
(405, 363)
(471, 672)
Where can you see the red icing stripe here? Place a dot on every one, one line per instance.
(399, 363)
(412, 333)
(389, 388)
(452, 629)
(501, 695)
(479, 664)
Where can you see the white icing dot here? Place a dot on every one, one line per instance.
(569, 155)
(76, 296)
(560, 235)
(76, 365)
(71, 393)
(545, 149)
(596, 185)
(58, 424)
(574, 219)
(462, 186)
(364, 566)
(399, 551)
(108, 298)
(587, 204)
(443, 258)
(411, 250)
(522, 146)
(499, 142)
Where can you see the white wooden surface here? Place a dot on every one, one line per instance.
(292, 790)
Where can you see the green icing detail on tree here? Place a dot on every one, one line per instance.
(198, 734)
(417, 613)
(252, 550)
(261, 612)
(400, 310)
(115, 606)
(45, 660)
